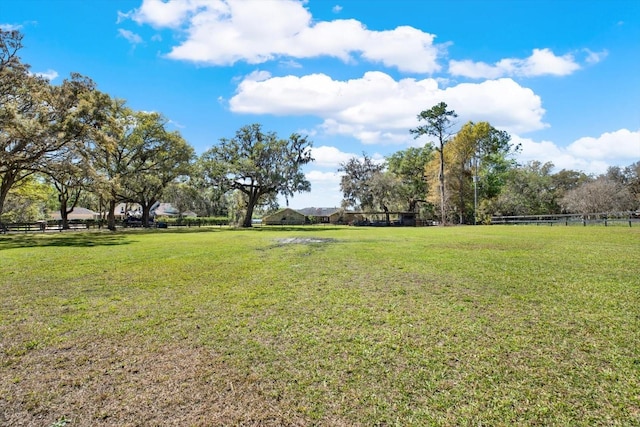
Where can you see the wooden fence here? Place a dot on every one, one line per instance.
(50, 226)
(609, 218)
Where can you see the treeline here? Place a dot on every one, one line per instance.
(471, 175)
(72, 145)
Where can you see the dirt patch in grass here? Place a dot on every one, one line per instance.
(303, 240)
(109, 383)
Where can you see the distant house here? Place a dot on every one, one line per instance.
(318, 215)
(284, 217)
(126, 210)
(134, 210)
(168, 210)
(77, 214)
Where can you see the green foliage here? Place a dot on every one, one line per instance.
(408, 166)
(28, 201)
(438, 124)
(260, 165)
(529, 191)
(357, 182)
(478, 160)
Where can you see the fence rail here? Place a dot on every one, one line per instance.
(616, 218)
(50, 226)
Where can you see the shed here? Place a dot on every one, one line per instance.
(285, 216)
(345, 217)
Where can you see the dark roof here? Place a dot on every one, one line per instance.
(318, 211)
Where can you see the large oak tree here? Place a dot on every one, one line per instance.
(156, 158)
(37, 120)
(259, 165)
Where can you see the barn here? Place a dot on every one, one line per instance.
(285, 216)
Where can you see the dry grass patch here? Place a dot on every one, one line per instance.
(116, 383)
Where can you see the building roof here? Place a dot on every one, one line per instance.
(78, 213)
(285, 211)
(318, 211)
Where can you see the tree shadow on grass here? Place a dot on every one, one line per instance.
(184, 230)
(63, 240)
(303, 228)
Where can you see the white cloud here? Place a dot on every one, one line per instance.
(223, 32)
(587, 154)
(336, 9)
(49, 74)
(329, 157)
(612, 146)
(541, 62)
(171, 14)
(130, 36)
(377, 109)
(319, 177)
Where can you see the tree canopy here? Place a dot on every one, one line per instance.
(38, 121)
(408, 166)
(259, 165)
(438, 124)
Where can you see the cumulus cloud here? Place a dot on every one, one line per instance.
(223, 32)
(541, 62)
(611, 146)
(329, 157)
(377, 109)
(167, 14)
(588, 154)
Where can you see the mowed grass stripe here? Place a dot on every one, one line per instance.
(323, 325)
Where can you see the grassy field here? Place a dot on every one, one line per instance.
(491, 326)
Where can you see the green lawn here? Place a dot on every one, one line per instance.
(502, 325)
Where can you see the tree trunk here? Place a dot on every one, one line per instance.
(461, 191)
(443, 215)
(6, 183)
(146, 208)
(254, 195)
(111, 216)
(63, 198)
(64, 214)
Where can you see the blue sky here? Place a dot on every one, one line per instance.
(562, 77)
